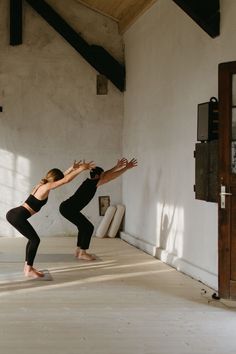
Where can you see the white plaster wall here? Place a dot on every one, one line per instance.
(51, 113)
(172, 65)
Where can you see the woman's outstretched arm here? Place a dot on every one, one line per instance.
(71, 173)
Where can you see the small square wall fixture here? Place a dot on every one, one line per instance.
(208, 120)
(102, 85)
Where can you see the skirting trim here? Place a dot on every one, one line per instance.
(198, 273)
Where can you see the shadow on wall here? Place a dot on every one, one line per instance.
(160, 223)
(170, 228)
(165, 227)
(147, 218)
(15, 173)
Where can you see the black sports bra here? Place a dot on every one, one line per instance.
(35, 203)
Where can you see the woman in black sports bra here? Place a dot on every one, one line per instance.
(18, 216)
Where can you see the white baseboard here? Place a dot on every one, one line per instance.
(135, 241)
(198, 273)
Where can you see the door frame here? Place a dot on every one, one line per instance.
(226, 70)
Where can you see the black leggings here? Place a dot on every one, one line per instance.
(17, 217)
(84, 226)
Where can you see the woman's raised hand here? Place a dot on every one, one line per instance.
(76, 164)
(121, 163)
(83, 165)
(132, 163)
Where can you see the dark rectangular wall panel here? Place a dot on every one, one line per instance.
(206, 171)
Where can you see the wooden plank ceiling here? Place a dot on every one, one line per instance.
(125, 12)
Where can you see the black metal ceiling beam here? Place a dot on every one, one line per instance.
(15, 22)
(206, 13)
(95, 55)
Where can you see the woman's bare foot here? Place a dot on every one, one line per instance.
(31, 272)
(85, 256)
(77, 251)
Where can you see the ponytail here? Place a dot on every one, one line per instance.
(53, 175)
(43, 181)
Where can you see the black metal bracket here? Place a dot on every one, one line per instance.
(95, 55)
(15, 22)
(205, 13)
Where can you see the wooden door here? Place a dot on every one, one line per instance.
(227, 180)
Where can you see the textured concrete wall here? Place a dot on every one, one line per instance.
(51, 113)
(172, 65)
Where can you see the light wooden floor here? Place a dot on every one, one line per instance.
(125, 302)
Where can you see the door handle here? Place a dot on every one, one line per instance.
(223, 193)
